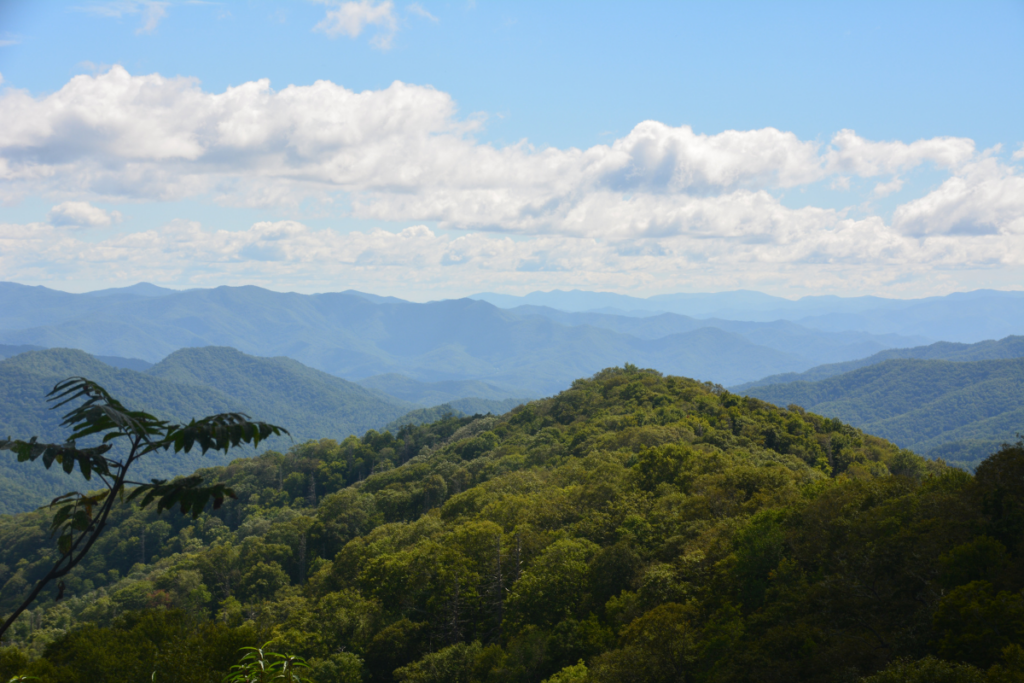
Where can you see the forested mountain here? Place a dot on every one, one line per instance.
(463, 407)
(8, 351)
(960, 317)
(1009, 347)
(959, 411)
(633, 528)
(283, 391)
(188, 383)
(24, 413)
(358, 336)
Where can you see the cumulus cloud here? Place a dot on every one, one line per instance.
(403, 153)
(984, 198)
(350, 18)
(82, 215)
(853, 154)
(656, 203)
(886, 189)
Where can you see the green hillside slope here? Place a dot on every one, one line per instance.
(189, 383)
(1008, 347)
(956, 410)
(312, 404)
(633, 528)
(459, 408)
(26, 378)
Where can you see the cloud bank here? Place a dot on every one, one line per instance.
(662, 206)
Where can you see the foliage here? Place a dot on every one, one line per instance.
(960, 411)
(80, 518)
(259, 665)
(459, 408)
(188, 382)
(633, 528)
(1007, 347)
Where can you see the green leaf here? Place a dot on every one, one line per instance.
(89, 460)
(188, 493)
(100, 412)
(217, 432)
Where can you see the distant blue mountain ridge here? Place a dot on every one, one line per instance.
(527, 350)
(959, 317)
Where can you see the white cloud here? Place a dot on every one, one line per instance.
(886, 189)
(418, 9)
(1017, 156)
(400, 153)
(852, 154)
(845, 256)
(152, 11)
(82, 215)
(350, 18)
(983, 198)
(152, 14)
(660, 204)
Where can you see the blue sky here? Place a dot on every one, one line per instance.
(874, 147)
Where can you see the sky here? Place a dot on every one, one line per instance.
(432, 150)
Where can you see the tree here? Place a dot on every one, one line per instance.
(79, 518)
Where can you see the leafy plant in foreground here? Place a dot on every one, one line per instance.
(80, 517)
(260, 666)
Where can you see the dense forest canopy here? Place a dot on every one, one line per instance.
(957, 411)
(633, 528)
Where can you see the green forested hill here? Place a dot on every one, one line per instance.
(189, 383)
(960, 411)
(633, 528)
(26, 378)
(316, 404)
(460, 408)
(1008, 347)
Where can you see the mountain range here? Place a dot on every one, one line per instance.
(523, 352)
(958, 317)
(330, 365)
